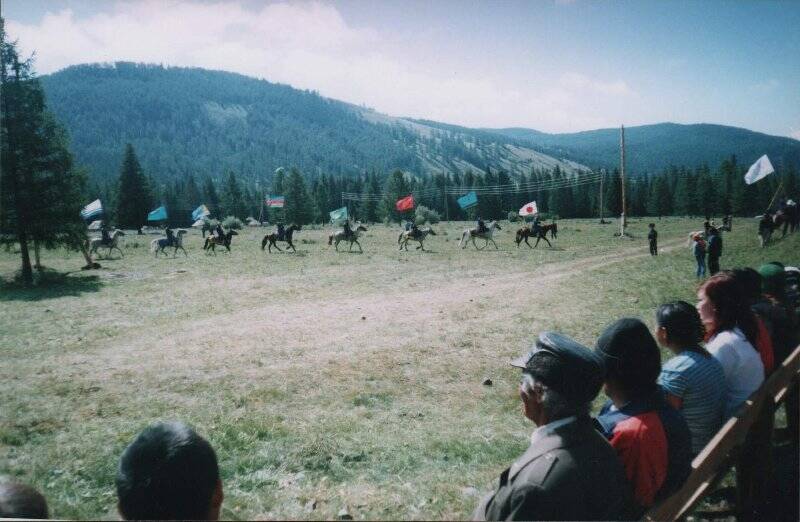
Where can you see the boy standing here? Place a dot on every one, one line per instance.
(652, 237)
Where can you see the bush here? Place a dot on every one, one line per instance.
(512, 216)
(232, 223)
(212, 223)
(425, 215)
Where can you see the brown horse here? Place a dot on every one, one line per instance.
(272, 238)
(525, 232)
(212, 241)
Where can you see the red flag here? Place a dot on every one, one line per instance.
(406, 203)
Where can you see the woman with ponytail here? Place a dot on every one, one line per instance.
(731, 334)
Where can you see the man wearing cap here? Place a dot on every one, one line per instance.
(651, 438)
(569, 472)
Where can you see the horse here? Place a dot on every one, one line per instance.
(272, 238)
(525, 232)
(406, 236)
(212, 241)
(336, 237)
(161, 243)
(471, 233)
(97, 243)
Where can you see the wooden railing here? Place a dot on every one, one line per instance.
(742, 441)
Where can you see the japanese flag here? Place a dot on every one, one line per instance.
(529, 209)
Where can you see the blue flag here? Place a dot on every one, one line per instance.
(340, 214)
(159, 214)
(200, 212)
(470, 199)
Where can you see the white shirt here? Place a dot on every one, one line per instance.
(741, 364)
(547, 429)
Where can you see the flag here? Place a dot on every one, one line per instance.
(406, 203)
(760, 169)
(529, 209)
(469, 199)
(158, 214)
(340, 214)
(200, 212)
(275, 201)
(93, 209)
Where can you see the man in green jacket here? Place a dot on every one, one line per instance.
(569, 472)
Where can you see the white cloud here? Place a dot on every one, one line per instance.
(311, 46)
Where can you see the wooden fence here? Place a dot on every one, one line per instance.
(743, 441)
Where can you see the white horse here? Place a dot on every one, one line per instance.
(471, 233)
(406, 236)
(336, 237)
(159, 244)
(97, 243)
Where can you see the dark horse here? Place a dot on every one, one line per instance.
(272, 238)
(212, 241)
(525, 232)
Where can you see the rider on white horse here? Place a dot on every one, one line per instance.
(481, 226)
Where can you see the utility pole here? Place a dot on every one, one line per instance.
(444, 193)
(602, 176)
(622, 177)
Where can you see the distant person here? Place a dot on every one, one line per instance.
(219, 232)
(714, 250)
(169, 472)
(104, 233)
(699, 252)
(731, 332)
(692, 380)
(652, 238)
(21, 501)
(281, 230)
(569, 472)
(650, 437)
(346, 229)
(170, 236)
(706, 227)
(480, 225)
(727, 223)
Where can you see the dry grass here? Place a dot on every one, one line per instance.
(322, 379)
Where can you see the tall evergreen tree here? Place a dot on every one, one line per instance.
(232, 197)
(134, 199)
(397, 186)
(369, 207)
(298, 205)
(212, 198)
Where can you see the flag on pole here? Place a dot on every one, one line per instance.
(406, 203)
(200, 212)
(340, 214)
(758, 170)
(529, 209)
(93, 209)
(275, 201)
(470, 199)
(159, 214)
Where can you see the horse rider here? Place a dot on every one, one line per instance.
(346, 229)
(481, 226)
(281, 230)
(105, 237)
(413, 230)
(535, 226)
(765, 225)
(170, 236)
(219, 232)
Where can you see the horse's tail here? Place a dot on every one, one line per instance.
(264, 243)
(330, 239)
(154, 245)
(519, 237)
(554, 231)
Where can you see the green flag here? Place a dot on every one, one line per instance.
(340, 214)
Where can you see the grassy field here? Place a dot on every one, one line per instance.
(324, 380)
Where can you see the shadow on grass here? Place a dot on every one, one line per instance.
(49, 284)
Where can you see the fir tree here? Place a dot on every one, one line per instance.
(232, 198)
(134, 199)
(298, 209)
(212, 198)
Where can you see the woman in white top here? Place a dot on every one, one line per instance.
(731, 332)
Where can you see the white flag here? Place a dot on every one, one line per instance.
(95, 208)
(529, 209)
(760, 169)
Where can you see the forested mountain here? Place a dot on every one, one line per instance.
(184, 120)
(651, 148)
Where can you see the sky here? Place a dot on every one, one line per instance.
(550, 65)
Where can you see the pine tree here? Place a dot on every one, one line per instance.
(212, 198)
(193, 196)
(298, 208)
(369, 207)
(232, 198)
(134, 199)
(397, 186)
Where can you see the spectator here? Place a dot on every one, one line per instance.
(699, 251)
(714, 250)
(169, 472)
(731, 332)
(21, 501)
(652, 238)
(693, 381)
(650, 437)
(749, 282)
(569, 472)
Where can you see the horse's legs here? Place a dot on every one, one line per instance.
(526, 242)
(359, 246)
(292, 245)
(495, 244)
(546, 241)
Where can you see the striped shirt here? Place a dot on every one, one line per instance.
(699, 382)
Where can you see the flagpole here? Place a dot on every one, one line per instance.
(780, 185)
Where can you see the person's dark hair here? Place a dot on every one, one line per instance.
(21, 501)
(651, 225)
(630, 355)
(167, 472)
(731, 305)
(683, 325)
(549, 371)
(749, 281)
